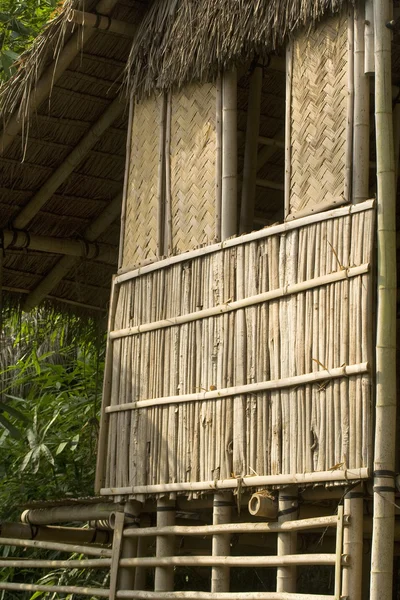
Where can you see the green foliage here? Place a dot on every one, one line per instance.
(20, 23)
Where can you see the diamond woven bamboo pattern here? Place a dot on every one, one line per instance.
(193, 166)
(140, 241)
(319, 115)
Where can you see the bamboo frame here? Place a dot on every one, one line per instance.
(353, 543)
(251, 148)
(249, 388)
(255, 481)
(112, 112)
(234, 561)
(229, 154)
(130, 273)
(164, 574)
(102, 23)
(221, 543)
(385, 414)
(220, 309)
(129, 546)
(287, 542)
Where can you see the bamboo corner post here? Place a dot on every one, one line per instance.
(222, 513)
(229, 154)
(287, 542)
(165, 545)
(353, 543)
(129, 545)
(125, 190)
(251, 149)
(385, 411)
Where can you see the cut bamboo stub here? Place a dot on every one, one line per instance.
(249, 388)
(262, 504)
(256, 481)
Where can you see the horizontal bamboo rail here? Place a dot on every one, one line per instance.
(220, 309)
(129, 273)
(250, 388)
(62, 589)
(57, 546)
(66, 535)
(271, 185)
(102, 22)
(256, 481)
(233, 561)
(94, 563)
(204, 530)
(64, 514)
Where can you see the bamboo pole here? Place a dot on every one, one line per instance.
(369, 64)
(221, 543)
(287, 542)
(60, 547)
(249, 388)
(288, 127)
(67, 535)
(350, 106)
(91, 563)
(125, 191)
(218, 159)
(229, 154)
(65, 514)
(220, 596)
(274, 294)
(56, 589)
(289, 560)
(102, 22)
(251, 148)
(168, 235)
(165, 547)
(385, 414)
(353, 543)
(129, 546)
(360, 185)
(255, 481)
(244, 239)
(161, 178)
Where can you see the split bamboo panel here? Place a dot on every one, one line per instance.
(140, 233)
(193, 166)
(319, 116)
(296, 426)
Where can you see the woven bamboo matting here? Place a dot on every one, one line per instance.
(193, 142)
(319, 114)
(140, 241)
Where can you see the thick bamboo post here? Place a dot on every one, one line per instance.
(125, 190)
(369, 62)
(229, 154)
(251, 149)
(165, 546)
(222, 511)
(360, 183)
(385, 414)
(353, 543)
(126, 576)
(287, 542)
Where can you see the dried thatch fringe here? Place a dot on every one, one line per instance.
(182, 40)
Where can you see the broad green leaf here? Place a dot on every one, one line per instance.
(14, 432)
(61, 447)
(26, 460)
(13, 412)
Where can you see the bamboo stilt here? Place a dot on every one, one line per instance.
(287, 542)
(126, 577)
(164, 576)
(222, 508)
(353, 543)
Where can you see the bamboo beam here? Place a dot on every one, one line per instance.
(91, 563)
(60, 589)
(229, 154)
(255, 481)
(250, 155)
(51, 75)
(77, 155)
(385, 412)
(55, 245)
(102, 23)
(60, 547)
(67, 535)
(64, 514)
(234, 561)
(65, 264)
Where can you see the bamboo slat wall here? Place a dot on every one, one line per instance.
(140, 242)
(315, 315)
(318, 115)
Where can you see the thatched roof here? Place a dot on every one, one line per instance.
(182, 40)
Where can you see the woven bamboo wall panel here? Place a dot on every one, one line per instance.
(140, 241)
(298, 429)
(192, 149)
(319, 113)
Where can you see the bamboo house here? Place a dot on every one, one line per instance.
(230, 169)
